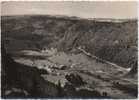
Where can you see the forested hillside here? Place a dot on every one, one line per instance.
(112, 40)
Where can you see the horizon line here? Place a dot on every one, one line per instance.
(67, 16)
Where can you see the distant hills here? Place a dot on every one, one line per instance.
(114, 40)
(70, 17)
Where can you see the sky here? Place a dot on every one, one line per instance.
(101, 9)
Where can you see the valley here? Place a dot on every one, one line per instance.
(94, 57)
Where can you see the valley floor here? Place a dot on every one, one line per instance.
(101, 76)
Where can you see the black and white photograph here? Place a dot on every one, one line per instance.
(69, 49)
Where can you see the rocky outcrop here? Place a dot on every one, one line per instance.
(15, 75)
(75, 79)
(134, 70)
